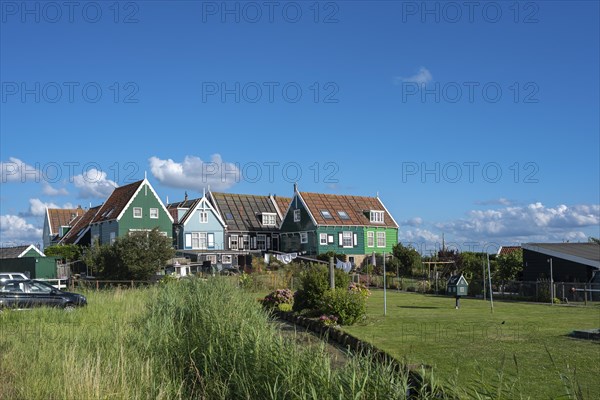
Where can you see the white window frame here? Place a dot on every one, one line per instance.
(203, 217)
(330, 239)
(212, 258)
(113, 237)
(323, 239)
(381, 236)
(233, 239)
(226, 259)
(154, 213)
(188, 241)
(203, 242)
(261, 242)
(141, 211)
(377, 217)
(269, 219)
(370, 239)
(195, 240)
(210, 240)
(246, 242)
(303, 237)
(297, 215)
(347, 235)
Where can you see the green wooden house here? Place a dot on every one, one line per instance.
(130, 208)
(357, 226)
(28, 260)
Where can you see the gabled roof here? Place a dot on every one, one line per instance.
(119, 201)
(583, 253)
(282, 204)
(357, 209)
(173, 208)
(243, 212)
(195, 204)
(57, 217)
(18, 251)
(504, 250)
(80, 226)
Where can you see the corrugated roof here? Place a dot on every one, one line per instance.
(588, 251)
(12, 252)
(356, 208)
(243, 212)
(80, 225)
(116, 202)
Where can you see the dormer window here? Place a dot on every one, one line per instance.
(377, 217)
(269, 219)
(343, 215)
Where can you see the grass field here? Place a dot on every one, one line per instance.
(521, 347)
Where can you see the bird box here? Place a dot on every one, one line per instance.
(457, 286)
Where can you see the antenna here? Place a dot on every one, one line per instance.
(145, 174)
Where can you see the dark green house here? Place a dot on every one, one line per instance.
(356, 226)
(27, 260)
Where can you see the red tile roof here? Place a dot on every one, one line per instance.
(508, 249)
(357, 207)
(80, 225)
(58, 217)
(116, 202)
(282, 203)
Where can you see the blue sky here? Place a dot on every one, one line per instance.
(481, 124)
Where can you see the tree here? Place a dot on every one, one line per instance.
(70, 252)
(592, 239)
(408, 258)
(136, 256)
(510, 265)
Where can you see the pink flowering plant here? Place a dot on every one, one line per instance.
(278, 298)
(329, 320)
(359, 288)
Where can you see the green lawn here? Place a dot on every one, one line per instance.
(525, 343)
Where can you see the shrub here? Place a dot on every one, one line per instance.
(285, 307)
(423, 286)
(360, 289)
(315, 281)
(278, 297)
(348, 306)
(328, 320)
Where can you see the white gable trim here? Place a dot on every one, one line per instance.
(314, 221)
(388, 213)
(29, 248)
(48, 221)
(564, 256)
(193, 210)
(144, 182)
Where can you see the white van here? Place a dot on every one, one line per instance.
(5, 276)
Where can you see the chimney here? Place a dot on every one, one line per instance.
(186, 196)
(295, 187)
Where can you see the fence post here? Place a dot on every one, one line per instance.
(97, 285)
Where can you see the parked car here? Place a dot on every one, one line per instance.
(5, 276)
(22, 294)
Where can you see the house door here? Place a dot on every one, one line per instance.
(276, 242)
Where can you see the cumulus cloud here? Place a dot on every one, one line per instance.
(495, 202)
(416, 221)
(422, 77)
(37, 208)
(48, 190)
(94, 184)
(15, 230)
(15, 170)
(194, 173)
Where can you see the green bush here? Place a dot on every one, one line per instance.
(348, 306)
(314, 282)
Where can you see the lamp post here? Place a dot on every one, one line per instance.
(551, 283)
(384, 288)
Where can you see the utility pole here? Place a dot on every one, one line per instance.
(384, 288)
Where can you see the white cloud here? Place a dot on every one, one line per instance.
(419, 235)
(93, 184)
(195, 174)
(416, 221)
(494, 202)
(15, 170)
(422, 77)
(37, 208)
(15, 230)
(533, 222)
(50, 191)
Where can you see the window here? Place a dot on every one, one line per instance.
(211, 240)
(269, 219)
(377, 216)
(246, 242)
(212, 258)
(326, 214)
(195, 240)
(226, 259)
(346, 239)
(233, 242)
(343, 215)
(113, 237)
(203, 217)
(188, 240)
(137, 212)
(154, 213)
(370, 239)
(203, 240)
(303, 237)
(261, 242)
(380, 239)
(297, 215)
(330, 239)
(323, 239)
